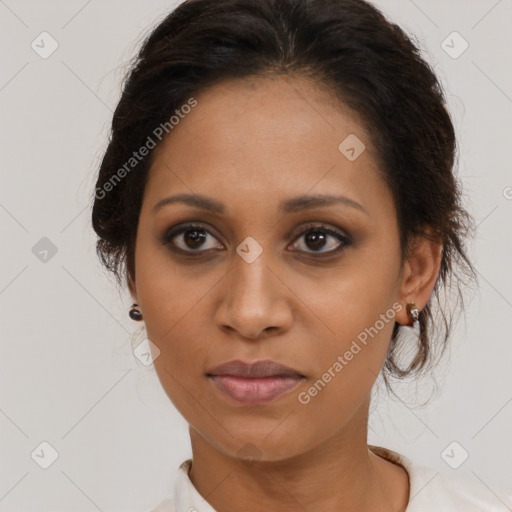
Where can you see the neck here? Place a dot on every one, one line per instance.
(339, 474)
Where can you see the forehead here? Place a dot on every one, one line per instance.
(266, 138)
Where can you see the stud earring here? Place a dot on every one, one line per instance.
(135, 313)
(413, 311)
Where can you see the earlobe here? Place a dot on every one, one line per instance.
(419, 277)
(135, 312)
(133, 289)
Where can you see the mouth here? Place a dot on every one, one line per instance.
(254, 383)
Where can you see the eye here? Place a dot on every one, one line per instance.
(190, 238)
(193, 238)
(319, 237)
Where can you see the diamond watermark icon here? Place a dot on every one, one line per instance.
(146, 352)
(249, 453)
(44, 455)
(454, 455)
(351, 147)
(44, 250)
(44, 45)
(454, 45)
(249, 249)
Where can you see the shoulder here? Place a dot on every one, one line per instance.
(448, 493)
(179, 487)
(164, 506)
(431, 489)
(185, 497)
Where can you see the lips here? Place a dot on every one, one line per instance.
(254, 383)
(265, 368)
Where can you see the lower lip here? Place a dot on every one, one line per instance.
(254, 391)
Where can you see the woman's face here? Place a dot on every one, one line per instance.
(252, 280)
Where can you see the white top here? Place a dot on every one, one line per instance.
(430, 491)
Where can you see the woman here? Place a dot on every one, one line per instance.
(278, 195)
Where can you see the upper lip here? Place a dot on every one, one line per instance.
(264, 368)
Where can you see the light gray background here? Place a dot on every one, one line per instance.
(68, 374)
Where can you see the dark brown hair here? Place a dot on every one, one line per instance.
(346, 46)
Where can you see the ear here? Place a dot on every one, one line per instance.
(133, 289)
(419, 274)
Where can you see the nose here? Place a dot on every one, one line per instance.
(255, 302)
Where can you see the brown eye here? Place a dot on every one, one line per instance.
(316, 238)
(190, 238)
(194, 238)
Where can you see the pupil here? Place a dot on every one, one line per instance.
(317, 239)
(196, 237)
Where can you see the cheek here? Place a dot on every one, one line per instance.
(173, 299)
(348, 367)
(180, 365)
(356, 296)
(169, 293)
(359, 306)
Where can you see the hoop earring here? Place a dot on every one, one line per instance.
(413, 311)
(135, 313)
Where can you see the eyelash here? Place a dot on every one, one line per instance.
(311, 228)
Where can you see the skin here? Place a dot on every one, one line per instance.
(251, 144)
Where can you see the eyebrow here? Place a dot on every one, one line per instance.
(292, 205)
